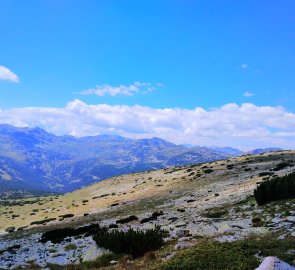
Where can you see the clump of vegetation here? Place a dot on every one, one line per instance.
(190, 200)
(126, 220)
(257, 221)
(154, 216)
(282, 165)
(41, 222)
(132, 242)
(277, 188)
(114, 204)
(208, 171)
(10, 249)
(217, 213)
(58, 235)
(66, 216)
(70, 247)
(10, 229)
(237, 255)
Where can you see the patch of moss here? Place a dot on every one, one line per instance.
(216, 213)
(70, 247)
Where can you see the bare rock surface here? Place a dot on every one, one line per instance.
(273, 263)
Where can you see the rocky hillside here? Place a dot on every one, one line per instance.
(212, 200)
(34, 161)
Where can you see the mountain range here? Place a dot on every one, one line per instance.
(33, 160)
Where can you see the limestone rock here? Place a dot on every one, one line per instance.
(92, 253)
(273, 263)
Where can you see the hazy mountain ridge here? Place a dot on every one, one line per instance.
(33, 159)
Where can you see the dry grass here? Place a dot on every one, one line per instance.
(140, 192)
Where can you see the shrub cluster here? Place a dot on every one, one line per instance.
(58, 235)
(132, 242)
(127, 220)
(282, 166)
(154, 216)
(277, 188)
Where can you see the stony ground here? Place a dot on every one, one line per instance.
(211, 200)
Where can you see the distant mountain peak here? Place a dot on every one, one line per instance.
(37, 160)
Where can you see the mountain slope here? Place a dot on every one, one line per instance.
(34, 160)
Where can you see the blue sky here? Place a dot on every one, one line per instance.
(185, 54)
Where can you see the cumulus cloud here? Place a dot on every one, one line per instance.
(244, 66)
(244, 126)
(124, 90)
(248, 94)
(7, 74)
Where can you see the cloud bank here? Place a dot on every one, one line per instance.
(7, 74)
(245, 126)
(123, 90)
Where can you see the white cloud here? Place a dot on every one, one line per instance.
(248, 94)
(7, 74)
(124, 90)
(244, 66)
(246, 126)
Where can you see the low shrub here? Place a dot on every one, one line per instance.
(132, 242)
(282, 165)
(58, 235)
(237, 255)
(216, 213)
(208, 171)
(277, 188)
(41, 222)
(66, 216)
(127, 220)
(70, 247)
(257, 221)
(154, 216)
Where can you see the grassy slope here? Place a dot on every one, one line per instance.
(141, 192)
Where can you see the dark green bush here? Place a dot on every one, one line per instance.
(66, 215)
(277, 188)
(282, 165)
(127, 220)
(133, 242)
(58, 235)
(218, 213)
(38, 222)
(154, 216)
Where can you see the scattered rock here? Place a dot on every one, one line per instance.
(181, 233)
(290, 219)
(92, 253)
(183, 245)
